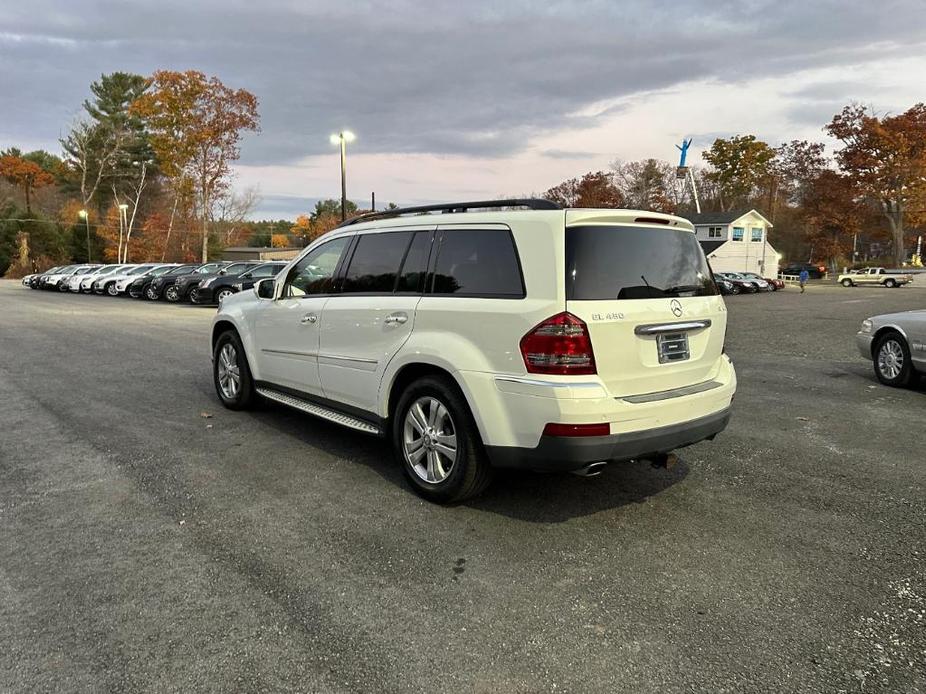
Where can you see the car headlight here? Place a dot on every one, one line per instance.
(866, 326)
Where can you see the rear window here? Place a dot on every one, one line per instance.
(618, 262)
(477, 262)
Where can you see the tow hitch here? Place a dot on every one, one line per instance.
(663, 460)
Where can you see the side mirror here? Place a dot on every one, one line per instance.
(264, 289)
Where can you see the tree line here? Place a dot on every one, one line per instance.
(870, 189)
(145, 174)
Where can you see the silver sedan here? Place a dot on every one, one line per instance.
(896, 344)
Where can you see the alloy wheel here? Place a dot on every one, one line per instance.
(223, 294)
(890, 359)
(429, 439)
(228, 372)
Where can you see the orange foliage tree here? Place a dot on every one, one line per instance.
(594, 189)
(887, 156)
(195, 124)
(26, 174)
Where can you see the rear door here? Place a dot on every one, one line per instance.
(654, 314)
(372, 315)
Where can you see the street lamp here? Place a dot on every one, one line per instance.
(123, 228)
(86, 217)
(342, 138)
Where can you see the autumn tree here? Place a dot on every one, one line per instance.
(25, 174)
(833, 211)
(195, 124)
(738, 166)
(887, 156)
(594, 189)
(649, 184)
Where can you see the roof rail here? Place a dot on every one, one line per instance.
(450, 207)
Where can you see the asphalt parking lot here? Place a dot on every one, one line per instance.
(151, 540)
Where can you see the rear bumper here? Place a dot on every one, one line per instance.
(561, 454)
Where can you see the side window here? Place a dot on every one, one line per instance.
(415, 267)
(477, 262)
(314, 274)
(265, 271)
(738, 233)
(756, 233)
(374, 266)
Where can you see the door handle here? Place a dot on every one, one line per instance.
(309, 318)
(396, 319)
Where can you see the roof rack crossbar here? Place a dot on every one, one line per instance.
(451, 207)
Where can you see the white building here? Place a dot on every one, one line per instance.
(736, 242)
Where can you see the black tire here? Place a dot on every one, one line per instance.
(890, 283)
(470, 472)
(846, 282)
(889, 349)
(151, 293)
(735, 290)
(135, 293)
(244, 396)
(110, 289)
(62, 287)
(223, 294)
(194, 295)
(172, 294)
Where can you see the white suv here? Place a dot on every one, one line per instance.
(484, 335)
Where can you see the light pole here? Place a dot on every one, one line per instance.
(86, 217)
(342, 138)
(123, 229)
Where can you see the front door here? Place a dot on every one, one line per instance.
(371, 317)
(286, 329)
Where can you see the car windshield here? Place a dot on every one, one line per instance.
(209, 268)
(237, 268)
(158, 271)
(624, 262)
(138, 270)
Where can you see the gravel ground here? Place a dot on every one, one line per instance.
(147, 547)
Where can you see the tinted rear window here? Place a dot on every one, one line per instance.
(375, 263)
(618, 262)
(477, 262)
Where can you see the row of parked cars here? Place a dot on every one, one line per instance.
(198, 283)
(746, 283)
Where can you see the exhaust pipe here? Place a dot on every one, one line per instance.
(590, 470)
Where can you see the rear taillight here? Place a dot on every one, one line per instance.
(559, 345)
(556, 429)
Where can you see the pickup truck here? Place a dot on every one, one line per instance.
(874, 275)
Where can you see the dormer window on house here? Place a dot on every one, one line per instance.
(738, 233)
(756, 234)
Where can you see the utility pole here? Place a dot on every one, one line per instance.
(373, 201)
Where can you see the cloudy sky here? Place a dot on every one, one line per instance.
(459, 100)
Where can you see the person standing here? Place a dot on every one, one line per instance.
(802, 278)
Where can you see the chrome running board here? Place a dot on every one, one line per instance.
(319, 411)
